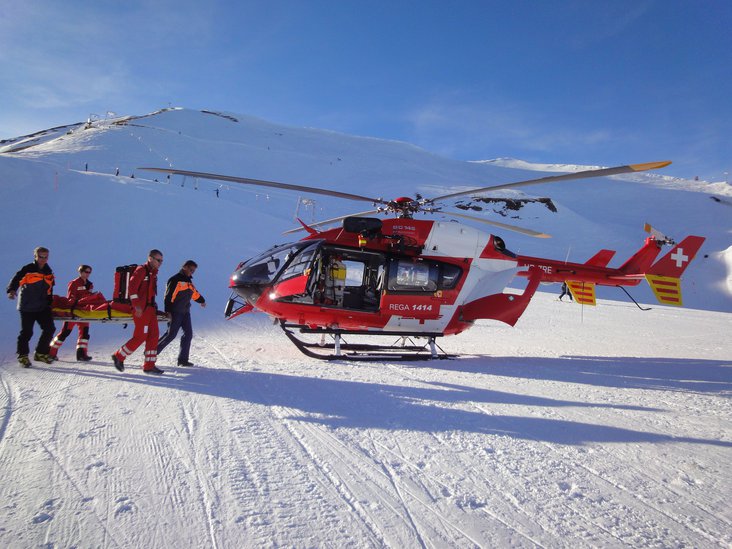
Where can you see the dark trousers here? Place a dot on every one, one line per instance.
(178, 321)
(565, 291)
(45, 321)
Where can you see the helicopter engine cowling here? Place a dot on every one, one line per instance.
(367, 225)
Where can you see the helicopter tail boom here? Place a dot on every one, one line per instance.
(506, 308)
(663, 275)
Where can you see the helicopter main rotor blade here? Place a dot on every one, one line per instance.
(328, 221)
(513, 228)
(564, 177)
(263, 183)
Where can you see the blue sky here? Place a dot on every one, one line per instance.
(585, 81)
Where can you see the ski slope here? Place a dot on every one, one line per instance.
(544, 435)
(605, 426)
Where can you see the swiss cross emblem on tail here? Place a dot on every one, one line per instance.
(679, 257)
(664, 276)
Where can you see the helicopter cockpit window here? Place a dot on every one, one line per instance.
(300, 263)
(264, 268)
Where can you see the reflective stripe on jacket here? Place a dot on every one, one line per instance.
(34, 287)
(178, 294)
(33, 278)
(183, 287)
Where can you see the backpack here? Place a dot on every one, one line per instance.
(122, 277)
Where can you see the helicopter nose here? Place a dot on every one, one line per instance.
(248, 292)
(245, 287)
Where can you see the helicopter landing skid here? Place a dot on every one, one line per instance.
(338, 349)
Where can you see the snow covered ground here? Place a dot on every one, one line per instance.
(608, 428)
(588, 427)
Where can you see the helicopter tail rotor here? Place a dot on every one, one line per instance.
(658, 235)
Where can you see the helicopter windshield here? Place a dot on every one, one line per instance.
(300, 262)
(266, 267)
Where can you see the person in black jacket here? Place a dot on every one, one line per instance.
(33, 284)
(178, 294)
(565, 291)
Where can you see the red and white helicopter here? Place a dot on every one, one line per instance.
(414, 279)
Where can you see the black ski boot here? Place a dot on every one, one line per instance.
(81, 356)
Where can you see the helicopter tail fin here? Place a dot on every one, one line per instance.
(601, 258)
(640, 262)
(664, 276)
(677, 260)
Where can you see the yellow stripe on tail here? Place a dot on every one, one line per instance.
(583, 292)
(666, 288)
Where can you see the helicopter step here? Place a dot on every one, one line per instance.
(403, 348)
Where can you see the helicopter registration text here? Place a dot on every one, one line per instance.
(404, 307)
(411, 307)
(546, 268)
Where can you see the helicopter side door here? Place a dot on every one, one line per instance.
(418, 288)
(349, 279)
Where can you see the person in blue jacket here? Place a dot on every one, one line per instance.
(179, 291)
(33, 285)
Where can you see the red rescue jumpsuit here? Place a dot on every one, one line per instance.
(143, 289)
(77, 289)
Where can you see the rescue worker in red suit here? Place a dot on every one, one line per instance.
(33, 284)
(81, 288)
(142, 291)
(178, 295)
